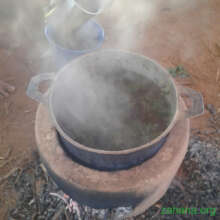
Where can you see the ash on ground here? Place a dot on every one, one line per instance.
(198, 187)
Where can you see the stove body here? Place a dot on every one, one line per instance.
(140, 186)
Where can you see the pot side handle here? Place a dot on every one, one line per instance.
(33, 87)
(196, 98)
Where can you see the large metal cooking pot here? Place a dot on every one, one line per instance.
(113, 109)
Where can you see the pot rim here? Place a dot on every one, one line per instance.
(119, 152)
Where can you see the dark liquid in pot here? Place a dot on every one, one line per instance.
(125, 111)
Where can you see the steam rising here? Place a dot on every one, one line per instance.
(23, 21)
(128, 20)
(129, 16)
(20, 21)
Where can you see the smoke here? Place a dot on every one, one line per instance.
(127, 20)
(20, 21)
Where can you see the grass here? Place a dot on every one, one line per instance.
(178, 71)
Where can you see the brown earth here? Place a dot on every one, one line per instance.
(189, 36)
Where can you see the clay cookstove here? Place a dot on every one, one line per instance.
(139, 186)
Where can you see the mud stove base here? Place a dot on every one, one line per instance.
(140, 186)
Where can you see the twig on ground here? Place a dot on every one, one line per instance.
(2, 179)
(44, 171)
(7, 154)
(34, 217)
(58, 213)
(18, 177)
(177, 183)
(159, 206)
(71, 205)
(66, 215)
(13, 158)
(60, 197)
(6, 106)
(34, 190)
(5, 163)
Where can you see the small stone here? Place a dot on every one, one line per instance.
(31, 202)
(102, 213)
(99, 213)
(209, 145)
(195, 147)
(122, 212)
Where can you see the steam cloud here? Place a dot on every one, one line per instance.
(24, 20)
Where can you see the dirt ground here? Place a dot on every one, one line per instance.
(189, 37)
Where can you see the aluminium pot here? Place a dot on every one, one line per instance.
(113, 109)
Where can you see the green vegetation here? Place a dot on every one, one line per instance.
(178, 71)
